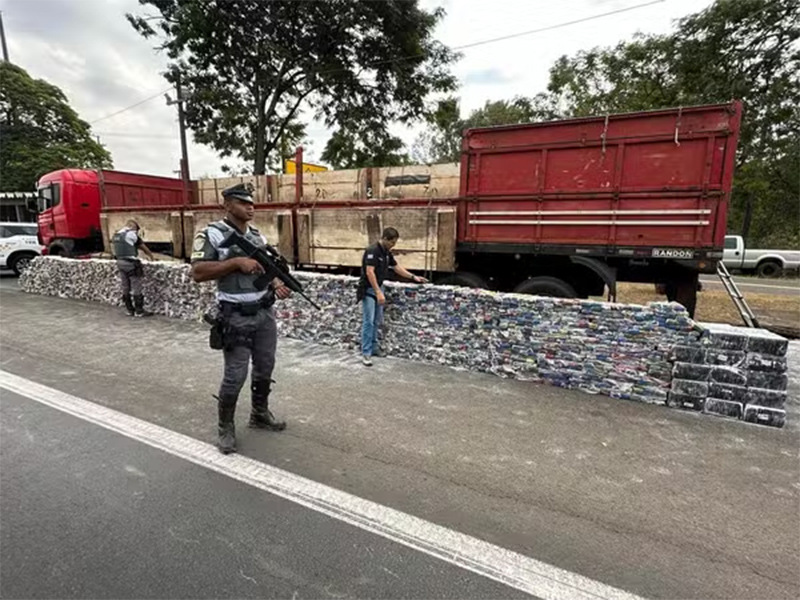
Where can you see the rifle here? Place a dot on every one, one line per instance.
(271, 261)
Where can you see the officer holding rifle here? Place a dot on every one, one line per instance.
(246, 324)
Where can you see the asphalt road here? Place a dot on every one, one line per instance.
(656, 502)
(88, 513)
(780, 287)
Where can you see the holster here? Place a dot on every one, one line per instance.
(216, 336)
(223, 336)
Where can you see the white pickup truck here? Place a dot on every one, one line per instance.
(764, 263)
(18, 245)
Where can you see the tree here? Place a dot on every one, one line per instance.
(743, 49)
(442, 141)
(374, 148)
(40, 132)
(252, 66)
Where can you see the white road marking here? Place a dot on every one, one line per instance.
(499, 564)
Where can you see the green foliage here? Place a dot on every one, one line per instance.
(251, 66)
(742, 49)
(40, 132)
(442, 141)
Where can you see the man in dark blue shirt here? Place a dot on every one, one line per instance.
(375, 265)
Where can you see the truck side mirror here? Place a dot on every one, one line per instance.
(32, 205)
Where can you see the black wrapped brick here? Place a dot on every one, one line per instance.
(722, 408)
(765, 362)
(693, 389)
(729, 375)
(762, 341)
(723, 391)
(684, 402)
(725, 358)
(726, 339)
(767, 398)
(691, 371)
(688, 354)
(767, 381)
(763, 415)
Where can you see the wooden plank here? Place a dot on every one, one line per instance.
(446, 241)
(156, 227)
(104, 228)
(444, 181)
(179, 246)
(285, 235)
(333, 186)
(338, 236)
(303, 237)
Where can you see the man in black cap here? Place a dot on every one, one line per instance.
(246, 311)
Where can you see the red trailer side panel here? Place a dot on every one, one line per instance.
(649, 179)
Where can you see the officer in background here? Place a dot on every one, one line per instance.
(375, 265)
(126, 244)
(247, 313)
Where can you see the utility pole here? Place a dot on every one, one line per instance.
(182, 128)
(3, 38)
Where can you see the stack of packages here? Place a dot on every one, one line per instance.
(614, 349)
(732, 372)
(651, 353)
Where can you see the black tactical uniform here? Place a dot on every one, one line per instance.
(249, 325)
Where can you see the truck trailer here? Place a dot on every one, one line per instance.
(564, 208)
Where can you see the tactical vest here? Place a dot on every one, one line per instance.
(238, 283)
(123, 249)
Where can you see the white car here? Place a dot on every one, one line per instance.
(19, 245)
(764, 263)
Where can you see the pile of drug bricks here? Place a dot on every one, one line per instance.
(732, 372)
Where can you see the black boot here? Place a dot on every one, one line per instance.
(226, 407)
(128, 302)
(261, 416)
(138, 302)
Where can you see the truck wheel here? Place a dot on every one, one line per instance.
(769, 268)
(19, 262)
(546, 286)
(465, 279)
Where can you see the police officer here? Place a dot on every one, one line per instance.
(249, 318)
(375, 265)
(126, 244)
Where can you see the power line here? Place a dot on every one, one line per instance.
(456, 48)
(510, 36)
(139, 103)
(133, 135)
(559, 25)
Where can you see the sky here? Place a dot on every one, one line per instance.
(89, 50)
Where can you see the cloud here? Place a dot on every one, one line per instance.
(89, 50)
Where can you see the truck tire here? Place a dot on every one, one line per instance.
(546, 286)
(19, 262)
(465, 279)
(769, 268)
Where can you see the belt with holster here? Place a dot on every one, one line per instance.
(246, 309)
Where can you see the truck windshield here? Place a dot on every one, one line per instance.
(49, 196)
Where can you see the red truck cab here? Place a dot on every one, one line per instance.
(71, 201)
(69, 212)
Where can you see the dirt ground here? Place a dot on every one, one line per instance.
(772, 310)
